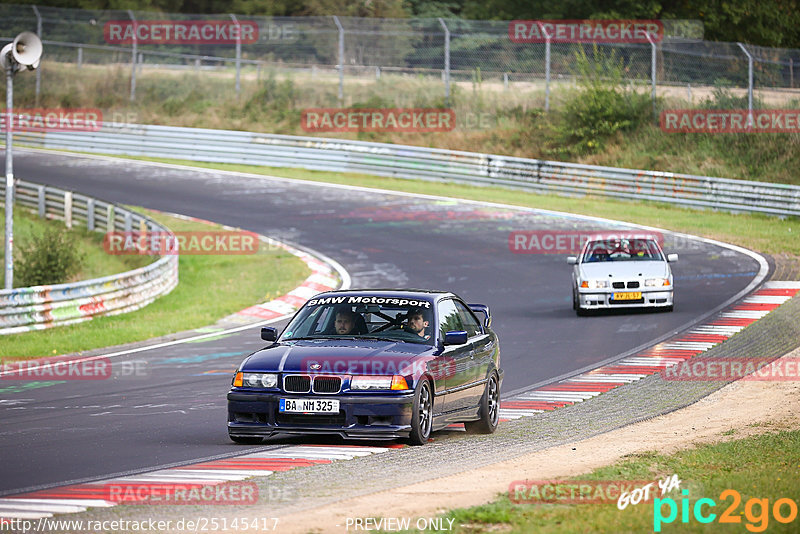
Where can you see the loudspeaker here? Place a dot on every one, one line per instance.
(27, 49)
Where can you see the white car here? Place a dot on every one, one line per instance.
(621, 272)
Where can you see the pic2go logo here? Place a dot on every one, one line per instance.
(756, 511)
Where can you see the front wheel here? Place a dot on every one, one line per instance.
(422, 415)
(489, 409)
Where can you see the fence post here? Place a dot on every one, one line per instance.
(653, 72)
(68, 209)
(42, 201)
(90, 214)
(446, 62)
(110, 215)
(38, 70)
(133, 57)
(505, 81)
(791, 73)
(80, 56)
(749, 84)
(238, 53)
(548, 38)
(341, 58)
(128, 222)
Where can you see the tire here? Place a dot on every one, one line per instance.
(422, 414)
(246, 440)
(489, 409)
(574, 299)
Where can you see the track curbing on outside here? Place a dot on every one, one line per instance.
(566, 392)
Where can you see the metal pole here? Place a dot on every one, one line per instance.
(446, 62)
(9, 247)
(749, 84)
(652, 72)
(80, 56)
(341, 57)
(39, 70)
(238, 53)
(791, 73)
(547, 37)
(133, 57)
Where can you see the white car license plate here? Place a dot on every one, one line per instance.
(309, 406)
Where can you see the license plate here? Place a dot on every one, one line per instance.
(632, 295)
(309, 406)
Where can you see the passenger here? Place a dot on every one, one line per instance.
(416, 323)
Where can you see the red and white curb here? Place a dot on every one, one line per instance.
(79, 497)
(653, 360)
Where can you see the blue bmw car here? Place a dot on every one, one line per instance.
(376, 364)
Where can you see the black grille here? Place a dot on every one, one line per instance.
(618, 285)
(633, 285)
(318, 419)
(297, 384)
(327, 384)
(637, 301)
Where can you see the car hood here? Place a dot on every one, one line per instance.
(339, 357)
(624, 269)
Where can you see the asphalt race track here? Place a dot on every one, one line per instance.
(58, 432)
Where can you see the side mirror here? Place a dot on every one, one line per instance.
(672, 258)
(572, 260)
(268, 333)
(455, 337)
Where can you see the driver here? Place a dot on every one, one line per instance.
(345, 322)
(416, 323)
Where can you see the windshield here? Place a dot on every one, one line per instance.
(364, 317)
(622, 250)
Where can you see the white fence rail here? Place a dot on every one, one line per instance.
(402, 161)
(39, 307)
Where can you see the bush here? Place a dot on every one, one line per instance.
(51, 257)
(601, 107)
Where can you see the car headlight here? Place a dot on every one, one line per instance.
(395, 382)
(594, 284)
(256, 380)
(656, 282)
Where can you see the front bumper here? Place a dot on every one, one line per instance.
(593, 299)
(366, 416)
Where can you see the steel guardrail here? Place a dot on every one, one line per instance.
(35, 308)
(402, 161)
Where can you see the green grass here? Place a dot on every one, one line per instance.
(210, 288)
(759, 467)
(96, 263)
(758, 232)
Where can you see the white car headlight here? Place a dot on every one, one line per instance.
(656, 282)
(371, 382)
(259, 380)
(594, 284)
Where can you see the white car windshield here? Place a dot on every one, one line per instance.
(368, 318)
(622, 250)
